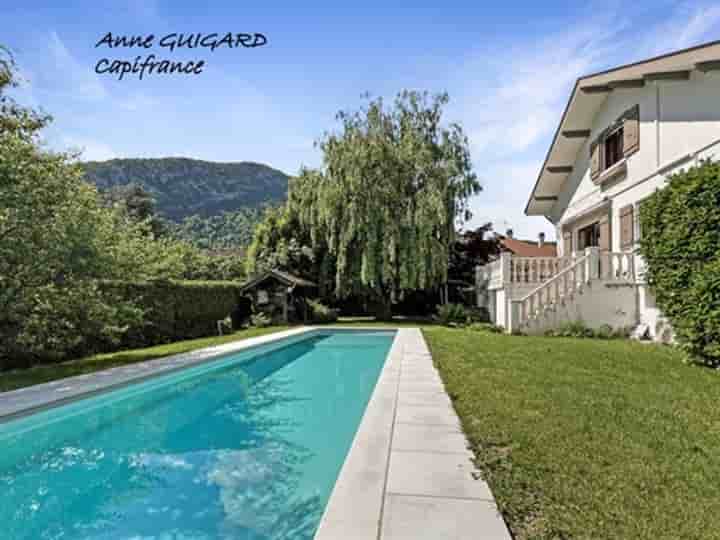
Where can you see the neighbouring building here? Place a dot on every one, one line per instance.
(623, 133)
(526, 248)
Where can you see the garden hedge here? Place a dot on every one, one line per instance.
(680, 243)
(176, 310)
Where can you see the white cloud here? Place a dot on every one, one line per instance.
(690, 25)
(90, 150)
(511, 104)
(71, 76)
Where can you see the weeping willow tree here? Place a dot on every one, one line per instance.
(394, 183)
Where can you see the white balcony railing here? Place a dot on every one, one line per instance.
(582, 270)
(536, 269)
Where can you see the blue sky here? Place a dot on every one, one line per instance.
(508, 67)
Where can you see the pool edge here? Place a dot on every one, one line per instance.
(22, 402)
(355, 507)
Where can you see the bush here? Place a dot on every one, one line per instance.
(452, 314)
(176, 310)
(486, 327)
(320, 313)
(478, 314)
(681, 246)
(577, 329)
(260, 320)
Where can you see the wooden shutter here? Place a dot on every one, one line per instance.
(626, 227)
(595, 162)
(605, 238)
(567, 244)
(631, 131)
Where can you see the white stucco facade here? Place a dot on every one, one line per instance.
(624, 132)
(679, 126)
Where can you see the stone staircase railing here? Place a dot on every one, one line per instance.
(570, 281)
(536, 269)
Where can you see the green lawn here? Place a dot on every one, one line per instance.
(11, 380)
(588, 438)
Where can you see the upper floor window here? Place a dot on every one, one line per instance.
(618, 141)
(614, 150)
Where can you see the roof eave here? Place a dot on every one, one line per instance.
(606, 88)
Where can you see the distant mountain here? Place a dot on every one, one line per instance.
(184, 187)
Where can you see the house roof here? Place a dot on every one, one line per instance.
(528, 248)
(589, 95)
(286, 278)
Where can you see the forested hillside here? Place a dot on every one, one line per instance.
(185, 187)
(226, 231)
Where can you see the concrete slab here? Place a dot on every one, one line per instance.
(431, 518)
(427, 415)
(435, 475)
(419, 385)
(429, 438)
(433, 399)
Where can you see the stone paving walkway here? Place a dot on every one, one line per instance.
(409, 473)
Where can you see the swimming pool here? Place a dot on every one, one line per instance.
(247, 446)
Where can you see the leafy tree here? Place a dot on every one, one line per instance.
(228, 230)
(386, 201)
(680, 244)
(278, 243)
(472, 248)
(138, 204)
(58, 242)
(211, 266)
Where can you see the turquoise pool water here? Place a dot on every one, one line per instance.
(245, 447)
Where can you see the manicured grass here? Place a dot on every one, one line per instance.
(588, 438)
(11, 380)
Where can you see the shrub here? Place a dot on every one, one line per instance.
(478, 314)
(452, 314)
(260, 320)
(486, 327)
(680, 244)
(320, 313)
(605, 332)
(175, 310)
(577, 329)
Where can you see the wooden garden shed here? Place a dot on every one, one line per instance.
(280, 295)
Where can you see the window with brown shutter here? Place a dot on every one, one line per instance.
(604, 241)
(619, 141)
(627, 226)
(631, 131)
(595, 166)
(614, 147)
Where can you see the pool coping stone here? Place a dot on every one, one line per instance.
(32, 399)
(409, 472)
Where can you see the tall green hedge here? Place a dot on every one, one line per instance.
(176, 310)
(680, 243)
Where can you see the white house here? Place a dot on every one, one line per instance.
(623, 132)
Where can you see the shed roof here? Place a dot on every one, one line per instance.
(283, 277)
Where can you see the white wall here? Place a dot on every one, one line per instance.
(677, 118)
(600, 303)
(683, 116)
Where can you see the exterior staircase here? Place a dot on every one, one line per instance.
(596, 288)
